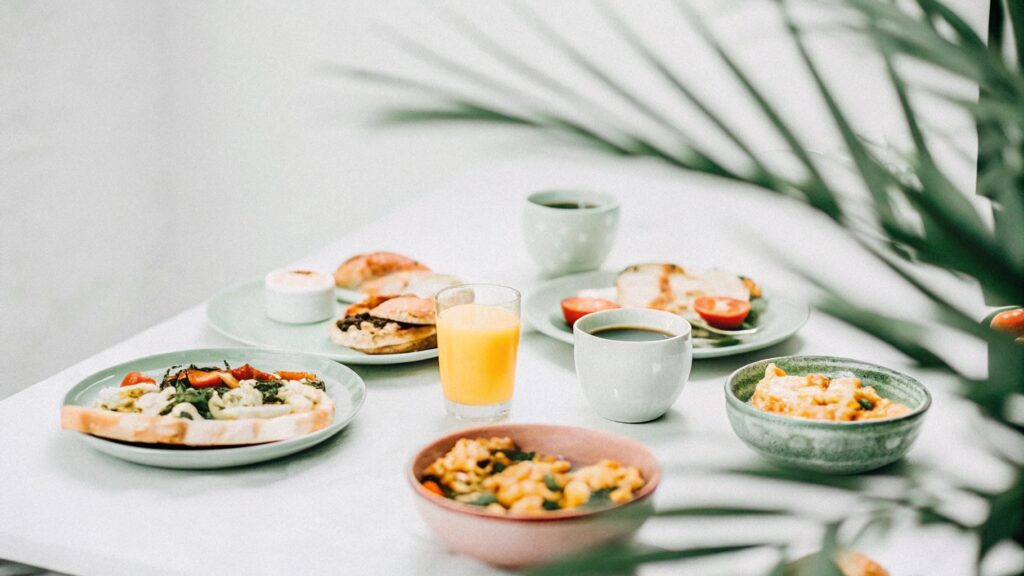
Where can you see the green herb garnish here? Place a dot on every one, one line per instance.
(482, 499)
(550, 482)
(518, 455)
(551, 505)
(866, 404)
(599, 498)
(757, 306)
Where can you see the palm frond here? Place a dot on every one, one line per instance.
(619, 559)
(816, 190)
(918, 215)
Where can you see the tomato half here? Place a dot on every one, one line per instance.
(1011, 321)
(132, 378)
(722, 312)
(576, 307)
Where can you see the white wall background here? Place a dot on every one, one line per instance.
(154, 152)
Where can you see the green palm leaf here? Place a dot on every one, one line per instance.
(920, 217)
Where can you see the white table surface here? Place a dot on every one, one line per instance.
(344, 507)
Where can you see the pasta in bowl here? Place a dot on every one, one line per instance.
(824, 413)
(522, 494)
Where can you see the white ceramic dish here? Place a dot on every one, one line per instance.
(345, 387)
(632, 381)
(781, 319)
(237, 312)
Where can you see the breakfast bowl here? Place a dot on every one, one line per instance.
(519, 539)
(831, 447)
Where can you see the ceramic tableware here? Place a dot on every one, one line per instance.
(344, 386)
(569, 231)
(298, 296)
(822, 446)
(237, 312)
(525, 540)
(782, 318)
(632, 381)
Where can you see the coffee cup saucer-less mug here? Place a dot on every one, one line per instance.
(569, 231)
(632, 381)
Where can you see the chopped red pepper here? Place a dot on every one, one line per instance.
(433, 487)
(136, 378)
(200, 379)
(285, 375)
(247, 372)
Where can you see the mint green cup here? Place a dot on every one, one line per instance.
(823, 446)
(565, 241)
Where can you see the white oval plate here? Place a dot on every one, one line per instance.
(345, 387)
(781, 319)
(237, 312)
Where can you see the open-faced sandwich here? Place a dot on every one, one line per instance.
(387, 325)
(390, 274)
(722, 306)
(211, 406)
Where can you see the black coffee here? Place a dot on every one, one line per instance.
(571, 205)
(631, 334)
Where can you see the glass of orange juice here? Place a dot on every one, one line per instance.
(477, 341)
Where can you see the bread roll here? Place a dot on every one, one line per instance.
(360, 269)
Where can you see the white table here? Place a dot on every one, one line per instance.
(344, 507)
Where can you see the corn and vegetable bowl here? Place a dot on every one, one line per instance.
(495, 474)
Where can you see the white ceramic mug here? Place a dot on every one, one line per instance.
(567, 240)
(632, 381)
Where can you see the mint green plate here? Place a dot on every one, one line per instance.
(344, 386)
(237, 312)
(348, 295)
(781, 319)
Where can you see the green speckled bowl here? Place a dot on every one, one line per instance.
(829, 447)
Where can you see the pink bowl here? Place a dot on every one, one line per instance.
(517, 541)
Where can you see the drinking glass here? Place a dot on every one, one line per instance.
(477, 341)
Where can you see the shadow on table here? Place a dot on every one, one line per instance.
(561, 355)
(109, 473)
(409, 375)
(720, 368)
(553, 351)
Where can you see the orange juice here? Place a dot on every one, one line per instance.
(476, 347)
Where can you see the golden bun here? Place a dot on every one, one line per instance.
(363, 268)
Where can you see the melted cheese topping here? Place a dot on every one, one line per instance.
(155, 402)
(124, 398)
(818, 397)
(245, 401)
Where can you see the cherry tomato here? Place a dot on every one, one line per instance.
(136, 378)
(1011, 321)
(200, 379)
(722, 312)
(575, 308)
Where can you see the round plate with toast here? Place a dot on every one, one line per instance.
(237, 312)
(344, 387)
(781, 319)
